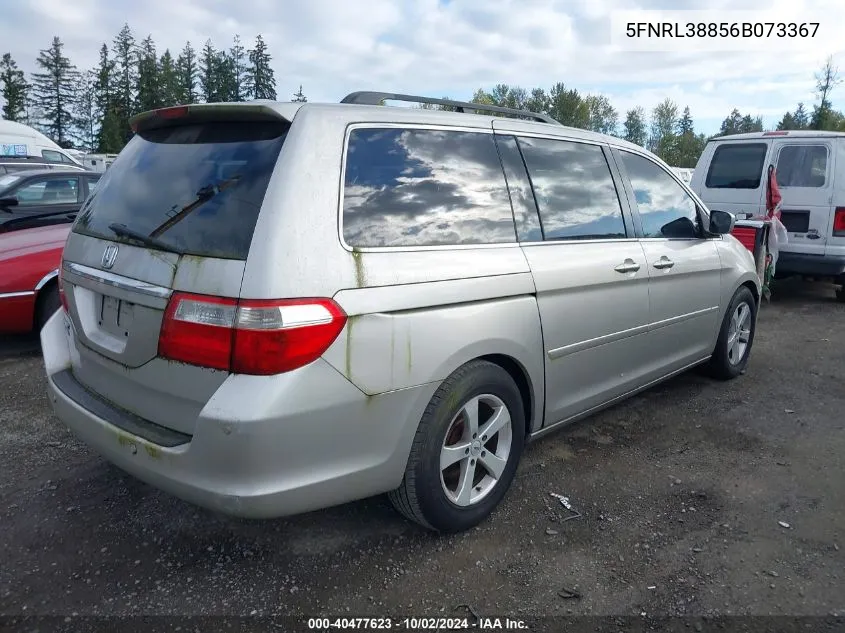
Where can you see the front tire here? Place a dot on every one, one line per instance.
(466, 450)
(736, 336)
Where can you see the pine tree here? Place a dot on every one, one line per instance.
(168, 81)
(802, 119)
(85, 111)
(110, 137)
(685, 124)
(260, 80)
(663, 140)
(14, 89)
(787, 122)
(208, 73)
(126, 79)
(225, 73)
(238, 60)
(186, 75)
(54, 92)
(299, 97)
(148, 95)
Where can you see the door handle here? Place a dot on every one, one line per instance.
(664, 262)
(628, 266)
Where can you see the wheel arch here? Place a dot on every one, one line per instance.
(521, 377)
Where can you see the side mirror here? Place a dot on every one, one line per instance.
(8, 202)
(721, 222)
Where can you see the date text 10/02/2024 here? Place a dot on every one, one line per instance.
(417, 624)
(775, 30)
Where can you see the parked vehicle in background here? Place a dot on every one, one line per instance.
(248, 336)
(684, 173)
(40, 197)
(731, 176)
(17, 139)
(29, 263)
(98, 162)
(15, 164)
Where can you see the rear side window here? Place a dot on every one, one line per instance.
(736, 166)
(195, 188)
(574, 189)
(422, 187)
(802, 166)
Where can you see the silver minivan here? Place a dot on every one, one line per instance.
(270, 308)
(810, 168)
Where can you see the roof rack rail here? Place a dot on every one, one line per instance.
(376, 98)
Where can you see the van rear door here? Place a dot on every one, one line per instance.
(176, 213)
(730, 176)
(805, 168)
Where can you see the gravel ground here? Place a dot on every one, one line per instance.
(696, 497)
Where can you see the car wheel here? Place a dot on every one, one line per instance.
(735, 337)
(466, 450)
(840, 292)
(48, 303)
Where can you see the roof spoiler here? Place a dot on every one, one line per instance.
(180, 114)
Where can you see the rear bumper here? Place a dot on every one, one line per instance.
(263, 446)
(804, 264)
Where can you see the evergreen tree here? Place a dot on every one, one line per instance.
(260, 80)
(802, 119)
(85, 112)
(110, 137)
(209, 79)
(787, 122)
(54, 92)
(635, 127)
(538, 101)
(168, 80)
(125, 80)
(225, 73)
(567, 107)
(685, 124)
(14, 89)
(186, 75)
(237, 70)
(148, 95)
(299, 97)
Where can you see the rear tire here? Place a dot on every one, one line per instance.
(736, 337)
(48, 303)
(480, 467)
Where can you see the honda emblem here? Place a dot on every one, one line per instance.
(109, 255)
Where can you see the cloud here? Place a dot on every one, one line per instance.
(333, 47)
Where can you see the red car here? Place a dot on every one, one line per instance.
(29, 263)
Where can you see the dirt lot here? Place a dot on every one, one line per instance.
(697, 498)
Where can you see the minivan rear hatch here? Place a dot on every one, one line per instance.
(176, 211)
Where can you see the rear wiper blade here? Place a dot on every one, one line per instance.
(124, 231)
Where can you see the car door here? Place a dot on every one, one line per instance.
(588, 267)
(804, 176)
(683, 264)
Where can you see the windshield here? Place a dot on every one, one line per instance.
(194, 189)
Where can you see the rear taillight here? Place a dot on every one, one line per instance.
(248, 336)
(839, 222)
(61, 286)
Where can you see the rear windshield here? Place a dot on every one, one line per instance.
(736, 166)
(194, 189)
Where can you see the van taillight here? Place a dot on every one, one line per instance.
(61, 286)
(248, 336)
(839, 222)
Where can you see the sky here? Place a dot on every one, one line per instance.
(454, 47)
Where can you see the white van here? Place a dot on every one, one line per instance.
(731, 176)
(17, 139)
